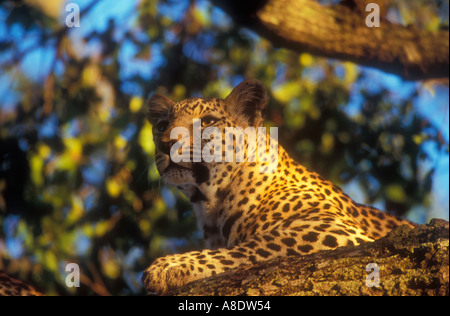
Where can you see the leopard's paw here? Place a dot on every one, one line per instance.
(165, 275)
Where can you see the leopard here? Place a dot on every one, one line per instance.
(247, 212)
(10, 286)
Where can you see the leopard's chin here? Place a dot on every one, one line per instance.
(174, 173)
(165, 164)
(181, 173)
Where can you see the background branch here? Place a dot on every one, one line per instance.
(339, 31)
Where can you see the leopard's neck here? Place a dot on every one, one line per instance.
(223, 202)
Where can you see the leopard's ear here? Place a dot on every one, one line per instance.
(158, 106)
(248, 99)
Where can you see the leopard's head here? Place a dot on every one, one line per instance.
(195, 174)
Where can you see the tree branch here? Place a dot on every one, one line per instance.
(340, 31)
(410, 262)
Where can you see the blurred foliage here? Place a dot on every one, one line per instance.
(77, 177)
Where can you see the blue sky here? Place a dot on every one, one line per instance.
(432, 103)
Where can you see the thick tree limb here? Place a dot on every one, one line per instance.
(410, 261)
(340, 31)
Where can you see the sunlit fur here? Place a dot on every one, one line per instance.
(247, 216)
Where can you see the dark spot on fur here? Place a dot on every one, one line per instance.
(305, 248)
(236, 255)
(201, 172)
(227, 262)
(198, 196)
(288, 241)
(226, 229)
(263, 253)
(311, 237)
(330, 241)
(274, 247)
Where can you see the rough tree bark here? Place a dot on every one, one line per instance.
(410, 261)
(340, 31)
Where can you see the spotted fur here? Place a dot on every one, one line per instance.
(10, 286)
(247, 216)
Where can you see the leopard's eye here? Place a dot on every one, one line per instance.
(209, 120)
(161, 126)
